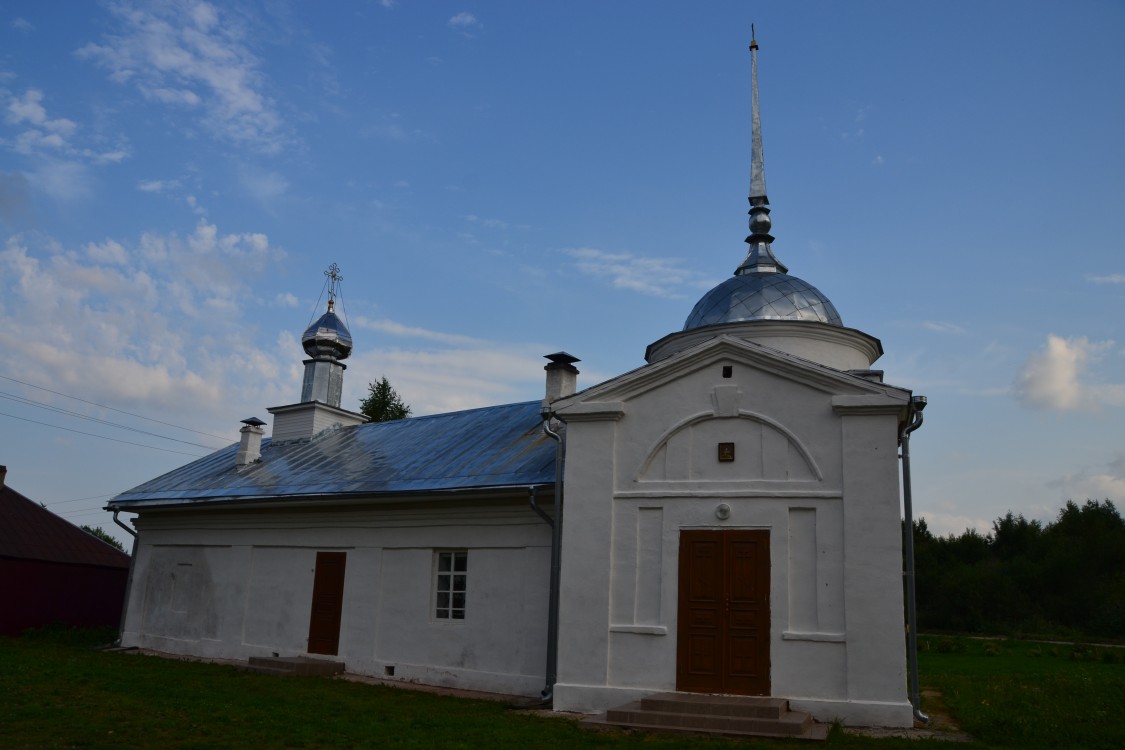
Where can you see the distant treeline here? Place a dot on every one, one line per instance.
(1065, 578)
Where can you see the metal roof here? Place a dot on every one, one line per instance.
(31, 532)
(762, 296)
(491, 447)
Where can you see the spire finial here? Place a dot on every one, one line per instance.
(760, 258)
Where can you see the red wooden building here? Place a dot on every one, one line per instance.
(51, 571)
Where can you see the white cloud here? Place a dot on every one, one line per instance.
(45, 134)
(144, 325)
(1113, 278)
(944, 524)
(1080, 487)
(157, 186)
(62, 180)
(1053, 378)
(938, 326)
(22, 25)
(286, 299)
(393, 328)
(192, 55)
(440, 379)
(660, 277)
(464, 22)
(109, 251)
(265, 187)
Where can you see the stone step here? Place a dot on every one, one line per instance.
(716, 705)
(714, 714)
(814, 733)
(295, 665)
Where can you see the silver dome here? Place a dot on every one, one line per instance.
(327, 337)
(762, 296)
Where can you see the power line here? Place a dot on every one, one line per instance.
(121, 411)
(103, 437)
(79, 499)
(67, 412)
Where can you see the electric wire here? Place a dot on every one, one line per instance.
(103, 437)
(67, 412)
(120, 411)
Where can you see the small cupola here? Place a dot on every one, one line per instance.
(327, 341)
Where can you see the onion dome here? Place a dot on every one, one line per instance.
(328, 336)
(761, 288)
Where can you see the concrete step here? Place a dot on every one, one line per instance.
(294, 665)
(716, 705)
(714, 714)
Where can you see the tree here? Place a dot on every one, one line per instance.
(383, 403)
(104, 536)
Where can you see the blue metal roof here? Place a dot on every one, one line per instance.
(492, 447)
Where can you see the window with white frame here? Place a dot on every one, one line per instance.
(451, 574)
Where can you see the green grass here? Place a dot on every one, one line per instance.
(1018, 694)
(59, 692)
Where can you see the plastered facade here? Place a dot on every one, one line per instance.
(238, 583)
(815, 466)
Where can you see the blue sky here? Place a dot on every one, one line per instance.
(499, 181)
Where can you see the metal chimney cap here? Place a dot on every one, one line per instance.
(562, 358)
(253, 422)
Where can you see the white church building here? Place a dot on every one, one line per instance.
(723, 519)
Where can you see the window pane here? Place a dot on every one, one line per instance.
(443, 600)
(458, 614)
(460, 561)
(458, 601)
(458, 583)
(443, 560)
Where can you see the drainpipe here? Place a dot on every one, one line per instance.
(117, 521)
(128, 577)
(917, 404)
(548, 693)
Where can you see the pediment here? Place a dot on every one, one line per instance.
(717, 352)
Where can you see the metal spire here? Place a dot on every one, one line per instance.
(760, 259)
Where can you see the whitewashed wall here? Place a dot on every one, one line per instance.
(233, 584)
(816, 465)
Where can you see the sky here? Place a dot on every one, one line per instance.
(499, 181)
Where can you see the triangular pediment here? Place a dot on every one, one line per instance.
(717, 352)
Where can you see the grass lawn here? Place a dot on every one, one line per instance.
(57, 691)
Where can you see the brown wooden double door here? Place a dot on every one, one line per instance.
(723, 644)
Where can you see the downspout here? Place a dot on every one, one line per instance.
(917, 404)
(548, 693)
(118, 521)
(128, 578)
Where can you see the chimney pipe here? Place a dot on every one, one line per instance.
(250, 447)
(562, 375)
(3, 475)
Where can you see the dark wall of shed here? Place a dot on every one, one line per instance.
(35, 593)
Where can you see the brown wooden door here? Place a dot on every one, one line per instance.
(327, 603)
(723, 644)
